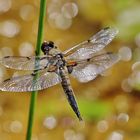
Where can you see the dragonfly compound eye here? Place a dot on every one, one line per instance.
(46, 46)
(51, 45)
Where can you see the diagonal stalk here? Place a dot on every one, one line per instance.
(38, 48)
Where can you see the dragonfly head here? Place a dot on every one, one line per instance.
(47, 46)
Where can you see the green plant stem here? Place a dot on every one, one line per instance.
(38, 50)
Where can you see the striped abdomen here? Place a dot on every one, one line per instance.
(69, 91)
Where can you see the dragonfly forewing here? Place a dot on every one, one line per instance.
(25, 63)
(94, 44)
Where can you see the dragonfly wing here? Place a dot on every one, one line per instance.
(27, 83)
(89, 69)
(24, 63)
(87, 48)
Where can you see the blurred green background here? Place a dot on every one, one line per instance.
(110, 104)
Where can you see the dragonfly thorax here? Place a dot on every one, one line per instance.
(60, 60)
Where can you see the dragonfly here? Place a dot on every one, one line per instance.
(84, 62)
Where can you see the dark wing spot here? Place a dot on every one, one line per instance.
(88, 40)
(106, 28)
(6, 56)
(109, 52)
(7, 80)
(33, 74)
(28, 58)
(36, 70)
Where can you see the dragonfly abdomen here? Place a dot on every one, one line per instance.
(69, 92)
